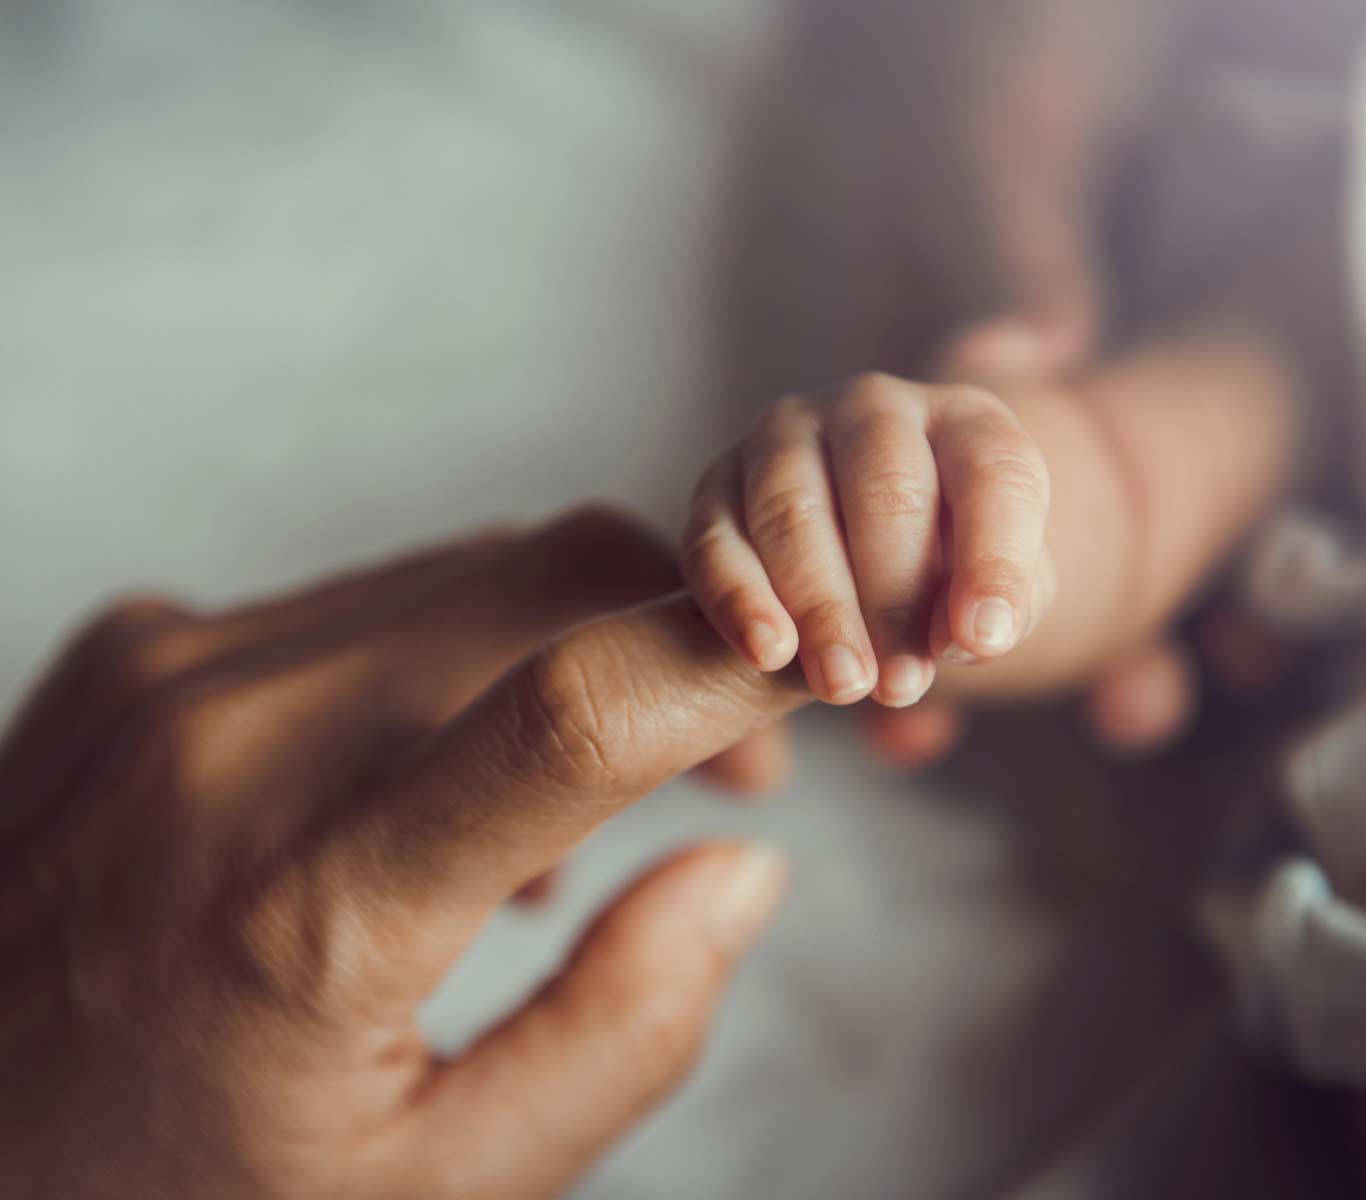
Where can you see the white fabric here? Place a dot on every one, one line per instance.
(290, 282)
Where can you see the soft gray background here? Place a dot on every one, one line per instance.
(287, 283)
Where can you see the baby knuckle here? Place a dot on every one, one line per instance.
(784, 514)
(733, 604)
(892, 492)
(999, 576)
(873, 391)
(1016, 473)
(829, 618)
(726, 597)
(792, 412)
(701, 550)
(968, 399)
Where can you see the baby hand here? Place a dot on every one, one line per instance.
(872, 533)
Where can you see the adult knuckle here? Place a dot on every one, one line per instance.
(182, 737)
(573, 733)
(135, 642)
(279, 940)
(593, 523)
(606, 553)
(154, 659)
(128, 614)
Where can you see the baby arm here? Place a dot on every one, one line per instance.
(890, 528)
(828, 531)
(1162, 461)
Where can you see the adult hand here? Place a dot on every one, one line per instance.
(239, 850)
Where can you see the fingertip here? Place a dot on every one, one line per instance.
(986, 624)
(988, 627)
(747, 898)
(903, 680)
(769, 646)
(994, 626)
(840, 675)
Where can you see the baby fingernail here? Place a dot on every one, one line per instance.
(844, 675)
(955, 654)
(994, 627)
(904, 680)
(766, 646)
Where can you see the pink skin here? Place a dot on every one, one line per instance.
(871, 535)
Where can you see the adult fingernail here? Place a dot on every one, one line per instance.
(994, 627)
(767, 646)
(904, 680)
(747, 898)
(844, 675)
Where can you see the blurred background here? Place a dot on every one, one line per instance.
(288, 284)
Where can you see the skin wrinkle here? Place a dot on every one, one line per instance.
(491, 620)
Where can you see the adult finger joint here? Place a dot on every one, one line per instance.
(572, 734)
(138, 643)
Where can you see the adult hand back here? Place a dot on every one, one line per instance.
(240, 849)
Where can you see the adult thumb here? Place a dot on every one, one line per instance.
(537, 1100)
